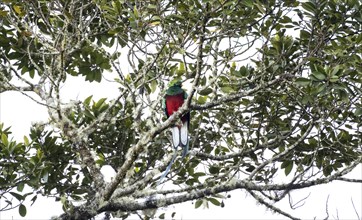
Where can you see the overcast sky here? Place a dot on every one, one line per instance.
(19, 112)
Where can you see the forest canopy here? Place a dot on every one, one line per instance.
(274, 92)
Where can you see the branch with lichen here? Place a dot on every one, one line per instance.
(129, 204)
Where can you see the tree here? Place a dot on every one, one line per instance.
(274, 87)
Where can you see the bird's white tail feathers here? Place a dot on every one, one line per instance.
(175, 136)
(184, 134)
(180, 136)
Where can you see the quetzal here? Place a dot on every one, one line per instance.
(173, 100)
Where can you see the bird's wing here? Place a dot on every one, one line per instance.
(164, 107)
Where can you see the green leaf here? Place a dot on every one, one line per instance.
(260, 7)
(105, 65)
(358, 112)
(302, 81)
(162, 216)
(287, 166)
(214, 201)
(26, 141)
(214, 170)
(18, 9)
(4, 139)
(205, 92)
(248, 3)
(17, 196)
(319, 76)
(308, 6)
(307, 99)
(304, 35)
(286, 19)
(226, 89)
(197, 174)
(153, 86)
(98, 76)
(20, 187)
(33, 199)
(343, 95)
(201, 99)
(100, 103)
(22, 210)
(135, 12)
(152, 6)
(198, 203)
(3, 13)
(320, 88)
(327, 170)
(250, 168)
(335, 71)
(334, 79)
(88, 100)
(243, 71)
(88, 114)
(32, 73)
(181, 69)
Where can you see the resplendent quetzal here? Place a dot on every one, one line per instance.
(173, 100)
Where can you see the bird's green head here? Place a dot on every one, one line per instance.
(175, 87)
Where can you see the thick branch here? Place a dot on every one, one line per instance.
(128, 204)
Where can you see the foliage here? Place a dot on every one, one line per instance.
(274, 86)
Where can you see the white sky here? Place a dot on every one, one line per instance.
(19, 112)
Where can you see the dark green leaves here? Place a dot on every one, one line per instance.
(198, 203)
(287, 166)
(205, 92)
(205, 202)
(358, 111)
(214, 170)
(302, 81)
(262, 72)
(310, 7)
(318, 76)
(22, 210)
(214, 201)
(91, 62)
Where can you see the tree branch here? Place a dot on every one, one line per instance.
(285, 152)
(349, 180)
(239, 95)
(134, 151)
(270, 206)
(128, 204)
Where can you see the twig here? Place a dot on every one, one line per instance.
(296, 205)
(349, 180)
(270, 206)
(355, 210)
(326, 218)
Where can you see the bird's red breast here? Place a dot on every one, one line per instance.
(173, 103)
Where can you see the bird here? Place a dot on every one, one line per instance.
(174, 98)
